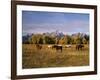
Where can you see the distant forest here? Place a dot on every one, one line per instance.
(56, 38)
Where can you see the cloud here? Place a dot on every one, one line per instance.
(65, 27)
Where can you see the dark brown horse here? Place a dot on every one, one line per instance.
(79, 46)
(38, 46)
(57, 47)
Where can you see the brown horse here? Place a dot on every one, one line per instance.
(79, 46)
(57, 47)
(38, 46)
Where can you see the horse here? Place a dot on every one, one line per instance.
(79, 46)
(68, 46)
(38, 46)
(49, 46)
(57, 47)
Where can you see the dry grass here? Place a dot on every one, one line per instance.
(34, 58)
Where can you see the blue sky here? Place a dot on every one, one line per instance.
(41, 22)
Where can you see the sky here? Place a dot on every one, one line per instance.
(42, 22)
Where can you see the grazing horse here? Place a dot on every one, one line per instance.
(57, 47)
(68, 46)
(79, 46)
(38, 46)
(49, 46)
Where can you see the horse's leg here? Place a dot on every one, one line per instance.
(81, 48)
(61, 49)
(78, 48)
(56, 49)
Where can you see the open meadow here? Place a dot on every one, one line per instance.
(48, 57)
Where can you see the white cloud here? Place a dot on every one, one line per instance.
(65, 27)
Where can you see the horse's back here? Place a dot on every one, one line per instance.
(38, 46)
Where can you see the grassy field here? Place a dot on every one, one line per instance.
(46, 57)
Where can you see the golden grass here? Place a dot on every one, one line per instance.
(46, 57)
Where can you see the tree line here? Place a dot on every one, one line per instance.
(78, 38)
